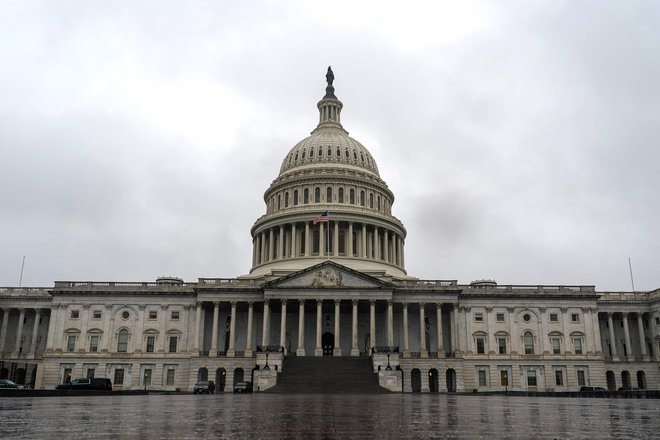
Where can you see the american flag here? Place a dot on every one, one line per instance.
(323, 218)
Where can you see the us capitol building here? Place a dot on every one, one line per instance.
(328, 278)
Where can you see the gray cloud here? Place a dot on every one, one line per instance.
(520, 141)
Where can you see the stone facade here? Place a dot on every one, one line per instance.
(330, 285)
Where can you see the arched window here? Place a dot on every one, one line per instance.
(329, 151)
(371, 200)
(351, 196)
(306, 196)
(286, 199)
(361, 198)
(528, 340)
(378, 203)
(342, 241)
(303, 155)
(279, 201)
(341, 195)
(311, 153)
(320, 151)
(328, 194)
(295, 197)
(122, 341)
(317, 195)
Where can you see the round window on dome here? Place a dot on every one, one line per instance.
(320, 151)
(303, 155)
(125, 314)
(346, 153)
(526, 317)
(311, 152)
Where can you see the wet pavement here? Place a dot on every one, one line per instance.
(327, 416)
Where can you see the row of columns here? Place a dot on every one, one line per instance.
(626, 335)
(283, 242)
(300, 350)
(19, 331)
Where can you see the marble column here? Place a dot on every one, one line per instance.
(372, 325)
(213, 352)
(5, 322)
(441, 348)
(337, 350)
(308, 241)
(355, 350)
(322, 239)
(198, 322)
(626, 335)
(319, 316)
(406, 346)
(294, 242)
(610, 326)
(565, 327)
(231, 350)
(364, 241)
(349, 243)
(642, 338)
(596, 330)
(390, 325)
(423, 352)
(335, 240)
(280, 243)
(248, 341)
(513, 332)
(19, 332)
(301, 328)
(271, 244)
(265, 333)
(376, 243)
(386, 246)
(283, 326)
(35, 332)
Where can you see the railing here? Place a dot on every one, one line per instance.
(119, 284)
(532, 288)
(415, 355)
(270, 348)
(228, 281)
(384, 349)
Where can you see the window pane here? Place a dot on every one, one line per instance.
(170, 376)
(150, 344)
(173, 341)
(94, 343)
(122, 341)
(119, 376)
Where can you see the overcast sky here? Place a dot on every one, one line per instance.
(521, 139)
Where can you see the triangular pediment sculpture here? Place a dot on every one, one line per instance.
(328, 275)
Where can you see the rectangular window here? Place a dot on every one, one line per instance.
(175, 315)
(501, 342)
(577, 343)
(173, 341)
(147, 377)
(500, 317)
(94, 343)
(657, 320)
(575, 317)
(559, 378)
(581, 378)
(482, 378)
(90, 373)
(480, 345)
(75, 314)
(71, 343)
(150, 343)
(556, 345)
(504, 378)
(153, 314)
(170, 376)
(554, 317)
(531, 378)
(96, 314)
(119, 376)
(478, 317)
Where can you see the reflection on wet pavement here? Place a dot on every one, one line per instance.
(327, 416)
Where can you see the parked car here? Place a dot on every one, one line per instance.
(99, 384)
(6, 383)
(243, 387)
(592, 390)
(204, 386)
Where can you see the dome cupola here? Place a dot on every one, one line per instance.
(331, 172)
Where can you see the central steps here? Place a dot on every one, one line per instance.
(327, 375)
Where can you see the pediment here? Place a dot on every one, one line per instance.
(328, 275)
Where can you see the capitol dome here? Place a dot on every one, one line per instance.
(329, 173)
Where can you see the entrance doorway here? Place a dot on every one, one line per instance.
(220, 379)
(433, 380)
(451, 380)
(416, 380)
(611, 380)
(328, 343)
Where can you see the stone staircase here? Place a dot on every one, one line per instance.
(327, 375)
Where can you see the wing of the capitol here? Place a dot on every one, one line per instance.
(328, 303)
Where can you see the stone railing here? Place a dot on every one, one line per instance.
(24, 291)
(426, 284)
(117, 284)
(625, 296)
(527, 289)
(234, 282)
(385, 349)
